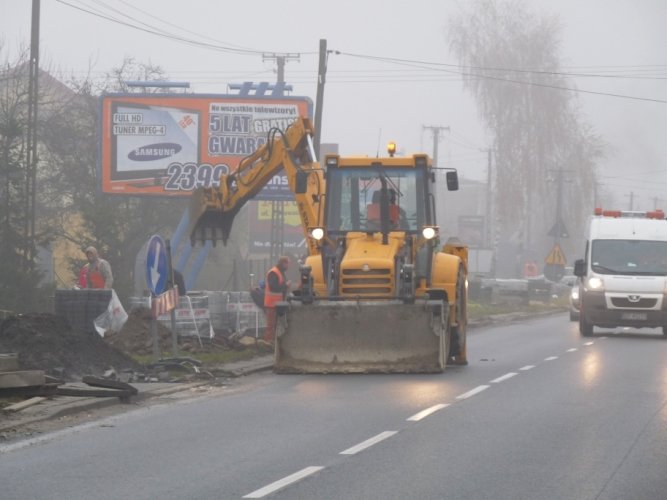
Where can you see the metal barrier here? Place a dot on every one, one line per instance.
(193, 317)
(208, 313)
(235, 313)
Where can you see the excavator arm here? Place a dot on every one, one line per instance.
(212, 210)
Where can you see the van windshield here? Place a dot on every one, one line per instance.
(632, 257)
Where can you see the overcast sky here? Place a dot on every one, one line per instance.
(368, 102)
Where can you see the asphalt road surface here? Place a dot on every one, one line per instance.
(539, 413)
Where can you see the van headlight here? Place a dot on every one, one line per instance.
(574, 293)
(595, 283)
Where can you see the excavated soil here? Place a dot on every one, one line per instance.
(47, 342)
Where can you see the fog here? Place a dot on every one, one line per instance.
(368, 102)
(390, 75)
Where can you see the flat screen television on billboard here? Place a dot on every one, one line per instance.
(172, 144)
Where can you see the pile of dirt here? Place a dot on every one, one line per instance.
(135, 337)
(47, 342)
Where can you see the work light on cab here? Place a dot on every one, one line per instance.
(429, 232)
(317, 233)
(391, 148)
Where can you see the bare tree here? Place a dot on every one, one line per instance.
(510, 60)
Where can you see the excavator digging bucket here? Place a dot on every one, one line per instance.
(362, 337)
(212, 225)
(206, 219)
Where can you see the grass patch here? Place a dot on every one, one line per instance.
(477, 310)
(214, 358)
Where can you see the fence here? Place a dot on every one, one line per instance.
(209, 313)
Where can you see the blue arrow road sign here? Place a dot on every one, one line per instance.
(157, 271)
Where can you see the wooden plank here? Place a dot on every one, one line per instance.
(23, 404)
(92, 393)
(47, 390)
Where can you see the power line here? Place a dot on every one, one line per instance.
(509, 80)
(431, 65)
(158, 32)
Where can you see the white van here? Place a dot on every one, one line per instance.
(624, 271)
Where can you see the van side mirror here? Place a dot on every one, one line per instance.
(580, 268)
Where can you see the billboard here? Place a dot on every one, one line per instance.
(172, 144)
(261, 214)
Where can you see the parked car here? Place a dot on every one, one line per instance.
(574, 300)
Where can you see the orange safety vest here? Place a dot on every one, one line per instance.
(94, 277)
(272, 298)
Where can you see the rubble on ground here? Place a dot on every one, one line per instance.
(47, 342)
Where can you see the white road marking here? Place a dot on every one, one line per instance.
(368, 443)
(550, 358)
(589, 343)
(476, 390)
(286, 481)
(504, 377)
(425, 413)
(573, 349)
(527, 367)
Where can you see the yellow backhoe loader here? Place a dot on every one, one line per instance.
(377, 292)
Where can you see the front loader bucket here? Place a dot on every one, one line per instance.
(362, 337)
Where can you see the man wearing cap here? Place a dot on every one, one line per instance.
(97, 273)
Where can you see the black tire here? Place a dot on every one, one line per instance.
(457, 343)
(664, 329)
(573, 316)
(585, 327)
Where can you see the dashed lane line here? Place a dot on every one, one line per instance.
(308, 471)
(502, 378)
(368, 443)
(282, 483)
(472, 392)
(425, 413)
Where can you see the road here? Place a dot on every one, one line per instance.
(539, 413)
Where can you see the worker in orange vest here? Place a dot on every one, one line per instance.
(277, 285)
(96, 273)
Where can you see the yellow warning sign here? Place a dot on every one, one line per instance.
(556, 257)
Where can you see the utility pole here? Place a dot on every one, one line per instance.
(280, 59)
(278, 206)
(31, 146)
(489, 199)
(632, 199)
(319, 99)
(436, 130)
(554, 270)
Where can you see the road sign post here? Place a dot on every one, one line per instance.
(158, 274)
(554, 264)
